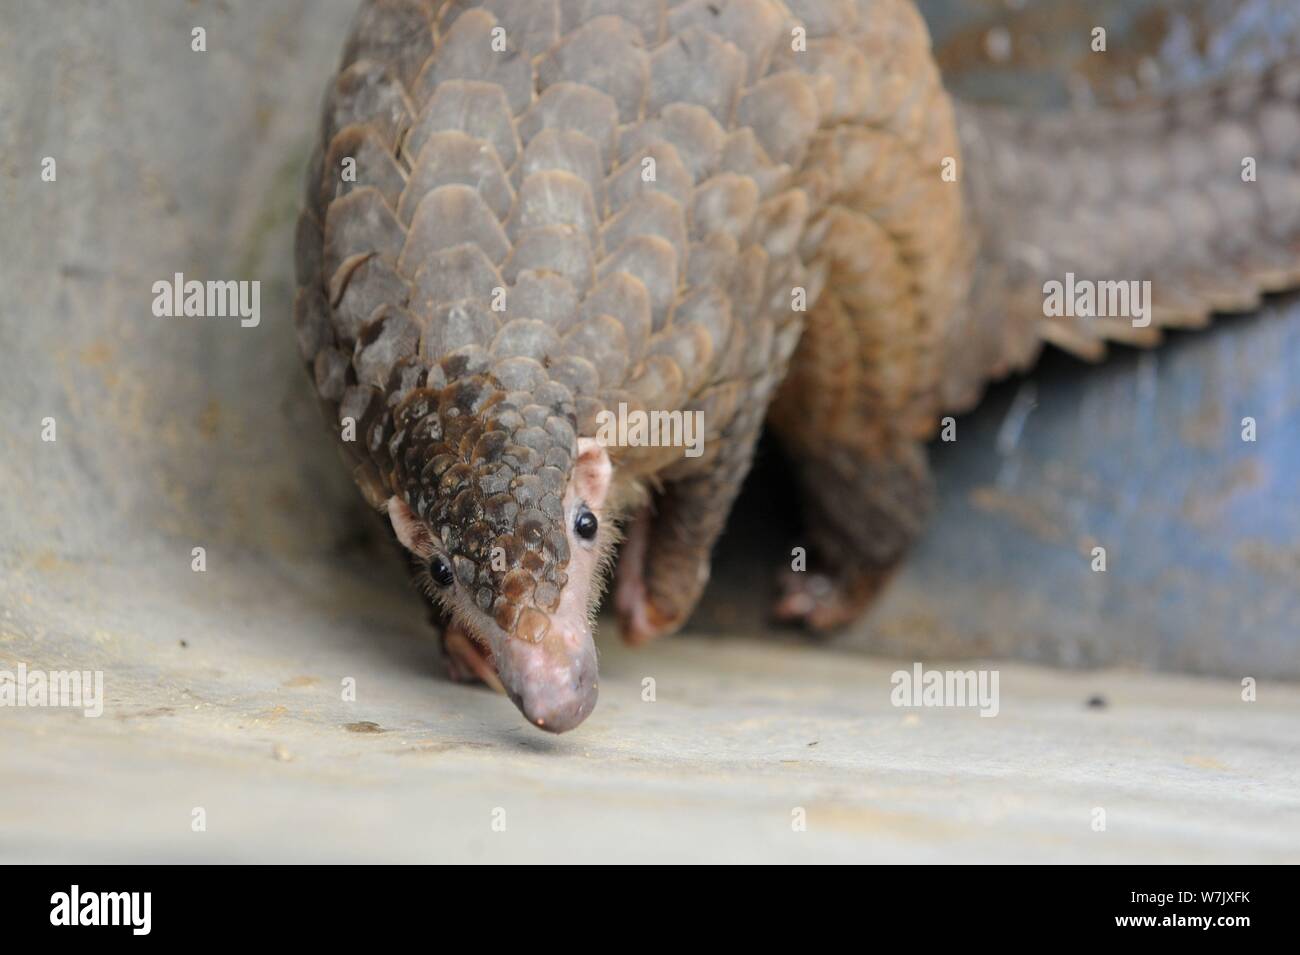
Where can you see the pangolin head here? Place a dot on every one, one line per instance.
(501, 505)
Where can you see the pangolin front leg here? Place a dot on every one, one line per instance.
(665, 563)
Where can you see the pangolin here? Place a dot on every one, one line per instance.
(525, 216)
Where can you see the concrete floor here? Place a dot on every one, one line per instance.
(240, 712)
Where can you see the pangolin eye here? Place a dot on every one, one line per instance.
(585, 524)
(440, 571)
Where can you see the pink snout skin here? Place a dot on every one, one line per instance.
(552, 682)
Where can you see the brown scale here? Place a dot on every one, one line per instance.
(487, 468)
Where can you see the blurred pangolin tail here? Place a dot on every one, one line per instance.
(1197, 193)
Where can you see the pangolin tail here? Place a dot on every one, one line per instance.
(1197, 194)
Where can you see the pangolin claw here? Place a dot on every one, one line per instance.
(821, 602)
(467, 662)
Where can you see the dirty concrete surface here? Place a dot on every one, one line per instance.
(224, 689)
(247, 723)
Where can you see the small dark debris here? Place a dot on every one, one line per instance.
(1097, 703)
(155, 711)
(365, 726)
(814, 742)
(75, 270)
(184, 644)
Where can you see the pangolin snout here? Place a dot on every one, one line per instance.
(552, 681)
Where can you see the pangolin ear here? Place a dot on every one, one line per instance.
(411, 531)
(592, 473)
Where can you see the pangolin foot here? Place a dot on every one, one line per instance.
(467, 662)
(639, 620)
(822, 602)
